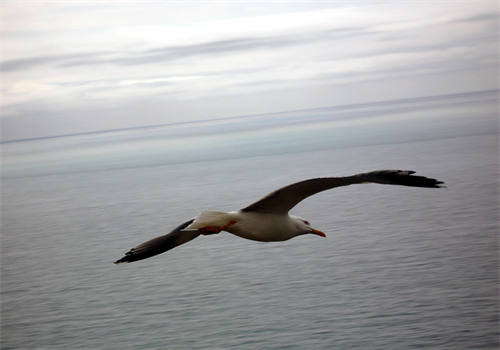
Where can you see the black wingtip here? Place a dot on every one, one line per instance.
(420, 181)
(131, 256)
(403, 177)
(440, 184)
(121, 261)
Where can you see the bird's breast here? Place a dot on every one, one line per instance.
(262, 227)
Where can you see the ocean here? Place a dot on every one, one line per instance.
(401, 268)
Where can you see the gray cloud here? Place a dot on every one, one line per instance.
(170, 53)
(35, 61)
(408, 47)
(243, 44)
(151, 81)
(480, 17)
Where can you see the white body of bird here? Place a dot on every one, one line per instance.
(256, 226)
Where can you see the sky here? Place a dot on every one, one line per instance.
(79, 66)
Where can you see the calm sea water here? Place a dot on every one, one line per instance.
(401, 268)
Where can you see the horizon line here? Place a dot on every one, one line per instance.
(198, 121)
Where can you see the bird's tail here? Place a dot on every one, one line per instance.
(210, 218)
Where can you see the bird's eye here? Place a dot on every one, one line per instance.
(306, 222)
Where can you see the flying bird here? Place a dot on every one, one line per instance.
(267, 220)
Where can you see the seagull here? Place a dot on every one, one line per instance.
(267, 220)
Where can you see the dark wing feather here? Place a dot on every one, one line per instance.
(284, 199)
(160, 244)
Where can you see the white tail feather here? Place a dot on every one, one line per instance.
(209, 218)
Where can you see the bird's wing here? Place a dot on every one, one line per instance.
(160, 244)
(284, 199)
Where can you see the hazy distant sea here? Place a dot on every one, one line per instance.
(401, 268)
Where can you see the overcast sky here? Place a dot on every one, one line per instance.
(76, 66)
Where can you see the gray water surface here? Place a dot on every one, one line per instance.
(401, 268)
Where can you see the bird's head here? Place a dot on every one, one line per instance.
(304, 227)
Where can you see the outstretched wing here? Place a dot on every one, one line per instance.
(284, 199)
(160, 244)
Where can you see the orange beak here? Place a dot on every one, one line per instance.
(318, 232)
